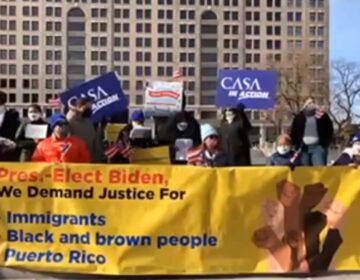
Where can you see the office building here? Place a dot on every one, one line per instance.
(47, 46)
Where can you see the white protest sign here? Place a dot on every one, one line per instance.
(36, 131)
(164, 96)
(182, 146)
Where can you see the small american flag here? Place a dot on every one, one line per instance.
(195, 157)
(177, 74)
(295, 156)
(124, 150)
(54, 102)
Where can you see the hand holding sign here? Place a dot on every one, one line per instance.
(105, 92)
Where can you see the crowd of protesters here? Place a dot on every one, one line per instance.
(74, 138)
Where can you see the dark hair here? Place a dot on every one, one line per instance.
(3, 98)
(36, 107)
(82, 101)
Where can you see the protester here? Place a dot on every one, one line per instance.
(120, 151)
(182, 128)
(9, 123)
(209, 153)
(351, 155)
(27, 144)
(61, 146)
(312, 132)
(284, 156)
(234, 132)
(81, 126)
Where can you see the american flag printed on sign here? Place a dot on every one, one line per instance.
(54, 102)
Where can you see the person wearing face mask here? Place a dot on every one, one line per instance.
(209, 153)
(182, 129)
(283, 156)
(9, 123)
(351, 155)
(61, 146)
(312, 132)
(234, 131)
(27, 145)
(81, 125)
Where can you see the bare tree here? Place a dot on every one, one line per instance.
(293, 88)
(345, 93)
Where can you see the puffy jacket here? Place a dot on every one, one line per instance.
(277, 159)
(71, 149)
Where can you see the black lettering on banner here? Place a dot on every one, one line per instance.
(10, 191)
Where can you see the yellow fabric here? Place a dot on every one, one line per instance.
(186, 220)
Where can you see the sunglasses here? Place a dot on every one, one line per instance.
(213, 137)
(62, 124)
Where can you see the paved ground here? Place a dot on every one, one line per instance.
(12, 274)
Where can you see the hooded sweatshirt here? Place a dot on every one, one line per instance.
(84, 129)
(191, 132)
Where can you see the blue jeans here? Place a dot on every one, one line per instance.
(313, 155)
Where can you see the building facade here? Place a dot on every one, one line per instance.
(47, 46)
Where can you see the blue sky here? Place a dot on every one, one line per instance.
(345, 30)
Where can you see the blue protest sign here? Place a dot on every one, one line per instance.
(256, 89)
(105, 92)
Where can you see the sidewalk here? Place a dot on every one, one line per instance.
(6, 273)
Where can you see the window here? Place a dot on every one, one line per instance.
(269, 44)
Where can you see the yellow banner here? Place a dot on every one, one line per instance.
(141, 220)
(157, 155)
(112, 131)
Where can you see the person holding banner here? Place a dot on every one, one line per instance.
(234, 133)
(351, 155)
(81, 126)
(61, 147)
(209, 153)
(183, 132)
(31, 133)
(284, 155)
(312, 132)
(120, 151)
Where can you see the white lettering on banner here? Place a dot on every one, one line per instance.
(228, 83)
(254, 94)
(96, 94)
(104, 102)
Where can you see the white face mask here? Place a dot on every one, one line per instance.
(34, 116)
(229, 116)
(356, 149)
(182, 126)
(2, 109)
(283, 150)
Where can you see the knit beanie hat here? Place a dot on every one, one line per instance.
(138, 116)
(207, 130)
(56, 119)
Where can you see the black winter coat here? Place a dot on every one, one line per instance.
(192, 132)
(25, 145)
(8, 130)
(324, 126)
